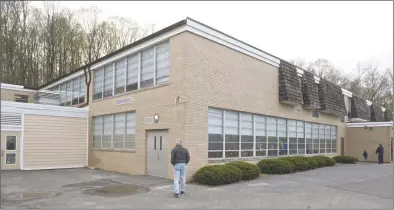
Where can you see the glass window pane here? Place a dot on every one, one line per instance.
(119, 130)
(107, 132)
(130, 130)
(11, 143)
(98, 83)
(132, 72)
(97, 131)
(162, 62)
(76, 88)
(68, 93)
(108, 80)
(120, 76)
(147, 68)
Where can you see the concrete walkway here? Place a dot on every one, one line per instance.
(356, 186)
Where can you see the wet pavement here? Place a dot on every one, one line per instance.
(358, 186)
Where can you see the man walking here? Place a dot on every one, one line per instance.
(380, 152)
(179, 159)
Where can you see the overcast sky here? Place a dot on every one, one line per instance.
(343, 32)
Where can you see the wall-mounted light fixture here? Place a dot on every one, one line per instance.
(156, 118)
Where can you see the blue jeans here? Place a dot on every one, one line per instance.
(179, 173)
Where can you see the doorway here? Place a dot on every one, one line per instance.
(10, 141)
(157, 153)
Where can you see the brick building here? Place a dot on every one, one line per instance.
(225, 99)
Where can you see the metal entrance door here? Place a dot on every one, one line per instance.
(10, 141)
(157, 153)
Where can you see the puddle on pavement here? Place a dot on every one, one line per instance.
(26, 196)
(93, 184)
(118, 190)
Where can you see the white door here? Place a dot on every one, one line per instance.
(157, 153)
(10, 150)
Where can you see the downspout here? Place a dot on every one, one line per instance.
(88, 78)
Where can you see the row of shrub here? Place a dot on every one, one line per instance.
(345, 159)
(235, 171)
(225, 174)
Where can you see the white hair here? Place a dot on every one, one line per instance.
(178, 142)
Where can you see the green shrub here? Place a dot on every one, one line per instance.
(345, 159)
(249, 171)
(276, 166)
(325, 161)
(312, 164)
(300, 163)
(215, 175)
(320, 161)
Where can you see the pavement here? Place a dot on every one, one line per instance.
(358, 186)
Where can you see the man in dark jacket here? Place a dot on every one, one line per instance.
(380, 152)
(179, 159)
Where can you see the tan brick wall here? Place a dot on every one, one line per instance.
(358, 139)
(221, 77)
(8, 95)
(202, 74)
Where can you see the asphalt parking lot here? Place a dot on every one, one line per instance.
(359, 186)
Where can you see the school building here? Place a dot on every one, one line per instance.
(226, 100)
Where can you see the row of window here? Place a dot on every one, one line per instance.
(71, 92)
(114, 131)
(144, 69)
(234, 134)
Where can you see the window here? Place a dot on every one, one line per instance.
(119, 130)
(120, 76)
(76, 88)
(21, 98)
(282, 134)
(231, 134)
(98, 84)
(162, 62)
(261, 138)
(143, 69)
(308, 138)
(63, 94)
(272, 136)
(68, 93)
(315, 113)
(292, 127)
(147, 67)
(107, 132)
(11, 143)
(246, 135)
(327, 130)
(132, 72)
(322, 142)
(130, 130)
(300, 138)
(97, 131)
(315, 137)
(333, 139)
(108, 80)
(82, 90)
(71, 92)
(215, 133)
(115, 131)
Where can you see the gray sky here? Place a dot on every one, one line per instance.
(343, 32)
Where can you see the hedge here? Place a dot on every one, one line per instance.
(320, 161)
(312, 164)
(249, 171)
(215, 175)
(323, 161)
(345, 159)
(276, 166)
(300, 163)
